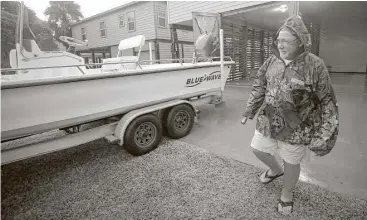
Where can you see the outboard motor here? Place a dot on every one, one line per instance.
(206, 45)
(206, 27)
(73, 43)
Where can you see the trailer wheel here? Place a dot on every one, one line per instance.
(179, 121)
(143, 135)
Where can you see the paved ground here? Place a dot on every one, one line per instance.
(343, 170)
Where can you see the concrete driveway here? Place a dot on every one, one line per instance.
(343, 170)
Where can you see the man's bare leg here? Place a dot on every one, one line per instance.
(269, 161)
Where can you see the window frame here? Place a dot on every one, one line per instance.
(100, 29)
(158, 16)
(83, 33)
(119, 20)
(128, 22)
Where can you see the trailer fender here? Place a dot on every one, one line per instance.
(129, 117)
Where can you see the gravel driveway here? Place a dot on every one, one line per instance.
(176, 181)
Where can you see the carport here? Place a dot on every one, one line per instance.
(338, 32)
(249, 34)
(343, 34)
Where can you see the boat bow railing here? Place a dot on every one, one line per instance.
(138, 63)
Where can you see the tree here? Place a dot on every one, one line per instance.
(44, 36)
(9, 16)
(8, 24)
(10, 6)
(61, 14)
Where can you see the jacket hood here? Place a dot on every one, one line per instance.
(296, 24)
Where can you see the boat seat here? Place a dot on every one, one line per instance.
(123, 59)
(130, 63)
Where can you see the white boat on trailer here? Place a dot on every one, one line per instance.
(143, 99)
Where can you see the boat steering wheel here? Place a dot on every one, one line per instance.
(72, 42)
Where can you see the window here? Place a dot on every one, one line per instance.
(84, 34)
(102, 28)
(131, 20)
(122, 20)
(161, 17)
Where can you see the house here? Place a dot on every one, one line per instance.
(104, 32)
(338, 30)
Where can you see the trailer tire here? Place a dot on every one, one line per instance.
(143, 135)
(179, 121)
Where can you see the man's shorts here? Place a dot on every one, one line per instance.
(292, 154)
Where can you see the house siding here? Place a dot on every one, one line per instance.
(180, 11)
(144, 54)
(162, 32)
(114, 50)
(165, 51)
(165, 33)
(188, 50)
(144, 17)
(184, 35)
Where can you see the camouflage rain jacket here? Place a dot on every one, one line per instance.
(295, 103)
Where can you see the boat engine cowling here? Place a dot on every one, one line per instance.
(206, 45)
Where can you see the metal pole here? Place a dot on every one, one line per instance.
(222, 80)
(21, 25)
(150, 53)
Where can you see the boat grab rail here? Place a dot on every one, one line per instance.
(100, 64)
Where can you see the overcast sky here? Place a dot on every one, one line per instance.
(88, 7)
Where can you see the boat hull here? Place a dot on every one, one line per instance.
(32, 107)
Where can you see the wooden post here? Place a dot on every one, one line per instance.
(252, 48)
(261, 47)
(176, 44)
(156, 48)
(93, 57)
(182, 51)
(172, 41)
(245, 34)
(175, 50)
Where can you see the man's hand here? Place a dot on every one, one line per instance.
(244, 120)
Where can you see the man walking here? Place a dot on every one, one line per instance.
(296, 107)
